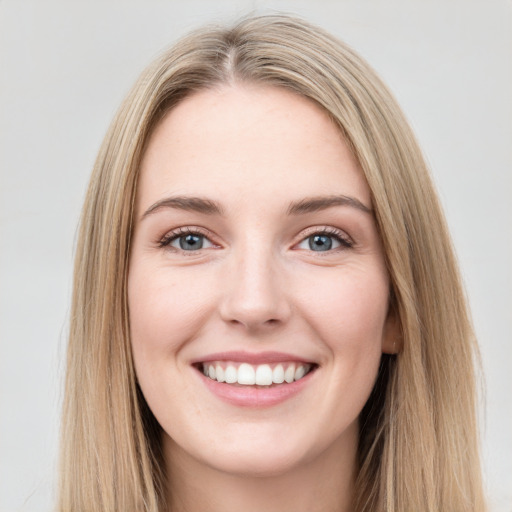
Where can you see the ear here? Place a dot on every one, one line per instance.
(392, 340)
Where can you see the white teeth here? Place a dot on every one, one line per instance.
(249, 375)
(219, 372)
(300, 372)
(278, 374)
(246, 374)
(289, 374)
(231, 375)
(263, 375)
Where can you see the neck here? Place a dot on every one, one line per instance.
(323, 484)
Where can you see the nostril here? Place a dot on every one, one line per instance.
(254, 323)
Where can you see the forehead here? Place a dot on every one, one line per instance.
(242, 141)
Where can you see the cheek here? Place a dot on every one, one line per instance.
(166, 310)
(349, 308)
(349, 317)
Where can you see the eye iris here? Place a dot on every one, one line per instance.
(191, 242)
(320, 242)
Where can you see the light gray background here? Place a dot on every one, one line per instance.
(66, 65)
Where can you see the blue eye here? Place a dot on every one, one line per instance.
(323, 242)
(188, 241)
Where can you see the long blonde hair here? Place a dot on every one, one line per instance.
(418, 447)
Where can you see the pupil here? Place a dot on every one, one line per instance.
(320, 243)
(191, 242)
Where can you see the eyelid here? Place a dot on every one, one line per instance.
(165, 241)
(345, 240)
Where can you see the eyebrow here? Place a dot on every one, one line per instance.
(314, 204)
(192, 204)
(209, 207)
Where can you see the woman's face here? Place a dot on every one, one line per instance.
(257, 261)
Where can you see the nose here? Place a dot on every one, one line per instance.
(254, 294)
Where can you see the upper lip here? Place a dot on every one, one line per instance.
(267, 357)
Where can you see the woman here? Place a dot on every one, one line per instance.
(267, 311)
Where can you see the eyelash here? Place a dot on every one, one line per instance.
(340, 237)
(168, 238)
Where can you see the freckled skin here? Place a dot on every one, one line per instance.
(256, 285)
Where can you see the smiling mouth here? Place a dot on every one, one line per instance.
(245, 374)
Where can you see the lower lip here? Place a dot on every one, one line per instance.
(254, 396)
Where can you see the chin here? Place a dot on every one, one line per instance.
(252, 463)
(257, 452)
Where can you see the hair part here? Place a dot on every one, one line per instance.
(418, 432)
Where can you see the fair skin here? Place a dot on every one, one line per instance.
(276, 261)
